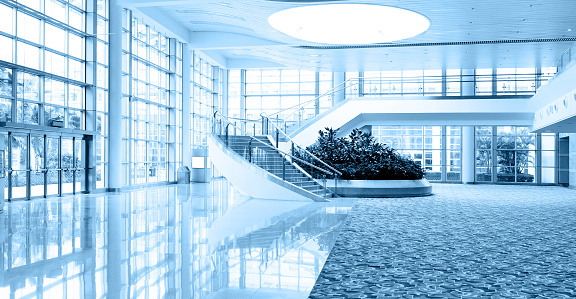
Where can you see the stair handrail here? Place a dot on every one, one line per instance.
(278, 130)
(269, 146)
(332, 90)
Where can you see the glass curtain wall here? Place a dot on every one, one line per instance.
(43, 53)
(234, 93)
(43, 76)
(205, 86)
(152, 98)
(270, 91)
(425, 145)
(292, 96)
(511, 154)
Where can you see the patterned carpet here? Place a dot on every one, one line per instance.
(466, 241)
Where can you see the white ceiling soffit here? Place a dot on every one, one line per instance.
(462, 34)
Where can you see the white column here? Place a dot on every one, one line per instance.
(91, 94)
(115, 99)
(572, 160)
(243, 99)
(340, 95)
(224, 108)
(186, 105)
(2, 179)
(468, 154)
(468, 87)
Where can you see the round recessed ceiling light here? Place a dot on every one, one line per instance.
(349, 24)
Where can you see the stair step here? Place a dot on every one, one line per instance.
(305, 184)
(272, 161)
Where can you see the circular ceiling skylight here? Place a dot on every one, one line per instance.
(349, 24)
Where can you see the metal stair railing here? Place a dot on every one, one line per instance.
(269, 127)
(282, 122)
(221, 128)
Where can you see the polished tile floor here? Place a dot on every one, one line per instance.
(196, 241)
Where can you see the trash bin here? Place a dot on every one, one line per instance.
(183, 175)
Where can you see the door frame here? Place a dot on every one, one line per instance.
(45, 134)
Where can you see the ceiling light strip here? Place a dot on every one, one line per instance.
(487, 42)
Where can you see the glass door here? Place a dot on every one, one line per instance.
(18, 168)
(37, 166)
(44, 165)
(79, 162)
(52, 165)
(67, 162)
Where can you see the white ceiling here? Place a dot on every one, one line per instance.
(462, 34)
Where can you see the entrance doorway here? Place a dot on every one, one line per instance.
(42, 165)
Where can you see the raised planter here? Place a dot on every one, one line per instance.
(380, 188)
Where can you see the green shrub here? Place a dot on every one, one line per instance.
(359, 157)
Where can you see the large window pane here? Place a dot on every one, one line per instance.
(76, 47)
(5, 82)
(55, 9)
(55, 38)
(76, 70)
(55, 64)
(28, 55)
(76, 97)
(28, 28)
(75, 119)
(6, 20)
(76, 19)
(54, 92)
(52, 114)
(6, 109)
(28, 87)
(6, 51)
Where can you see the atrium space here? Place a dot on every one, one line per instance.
(153, 149)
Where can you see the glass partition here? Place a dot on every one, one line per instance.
(511, 154)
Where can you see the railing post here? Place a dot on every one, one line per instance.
(277, 136)
(299, 117)
(284, 169)
(250, 151)
(254, 129)
(324, 180)
(292, 149)
(227, 135)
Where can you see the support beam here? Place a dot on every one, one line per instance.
(115, 99)
(340, 94)
(468, 87)
(186, 105)
(201, 40)
(572, 160)
(468, 154)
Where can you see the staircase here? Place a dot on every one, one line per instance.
(260, 151)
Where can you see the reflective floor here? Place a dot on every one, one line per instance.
(196, 241)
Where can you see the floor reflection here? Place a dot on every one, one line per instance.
(197, 241)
